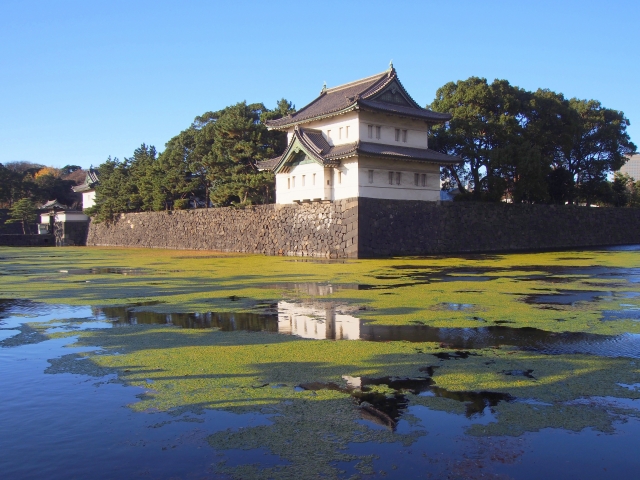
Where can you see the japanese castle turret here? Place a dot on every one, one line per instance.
(366, 138)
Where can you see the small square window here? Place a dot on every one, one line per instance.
(390, 178)
(339, 176)
(370, 176)
(288, 183)
(293, 182)
(416, 179)
(370, 131)
(346, 132)
(313, 179)
(404, 136)
(424, 179)
(397, 134)
(378, 132)
(340, 133)
(303, 178)
(398, 176)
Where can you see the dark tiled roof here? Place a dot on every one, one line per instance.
(316, 146)
(417, 154)
(355, 95)
(403, 110)
(341, 151)
(53, 205)
(90, 181)
(311, 141)
(268, 164)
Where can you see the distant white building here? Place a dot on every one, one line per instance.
(88, 189)
(366, 138)
(632, 167)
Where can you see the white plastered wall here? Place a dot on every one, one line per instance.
(88, 199)
(407, 190)
(69, 216)
(299, 184)
(351, 178)
(345, 179)
(348, 123)
(417, 130)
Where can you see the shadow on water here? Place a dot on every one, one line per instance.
(545, 273)
(386, 406)
(567, 297)
(531, 339)
(334, 322)
(322, 321)
(107, 271)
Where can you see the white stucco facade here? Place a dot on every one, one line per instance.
(379, 179)
(359, 175)
(64, 216)
(366, 138)
(88, 199)
(376, 128)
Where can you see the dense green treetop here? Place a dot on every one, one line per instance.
(529, 146)
(23, 211)
(213, 161)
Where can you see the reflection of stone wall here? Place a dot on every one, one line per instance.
(369, 227)
(27, 240)
(314, 229)
(391, 227)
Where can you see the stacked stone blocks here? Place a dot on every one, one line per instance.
(365, 227)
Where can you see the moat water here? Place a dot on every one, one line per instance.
(66, 426)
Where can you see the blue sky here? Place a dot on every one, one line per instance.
(82, 80)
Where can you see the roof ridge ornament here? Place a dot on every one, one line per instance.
(391, 69)
(324, 88)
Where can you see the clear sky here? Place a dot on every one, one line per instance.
(82, 80)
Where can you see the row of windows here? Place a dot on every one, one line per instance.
(419, 179)
(341, 131)
(401, 135)
(291, 181)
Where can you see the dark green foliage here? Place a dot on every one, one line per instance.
(212, 161)
(624, 191)
(23, 211)
(67, 169)
(21, 180)
(529, 146)
(52, 187)
(240, 140)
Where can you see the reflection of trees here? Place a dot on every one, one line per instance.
(225, 321)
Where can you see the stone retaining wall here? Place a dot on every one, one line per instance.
(313, 229)
(366, 227)
(396, 227)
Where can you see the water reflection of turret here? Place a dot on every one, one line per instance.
(319, 321)
(314, 289)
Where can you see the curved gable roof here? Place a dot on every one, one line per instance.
(368, 94)
(312, 143)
